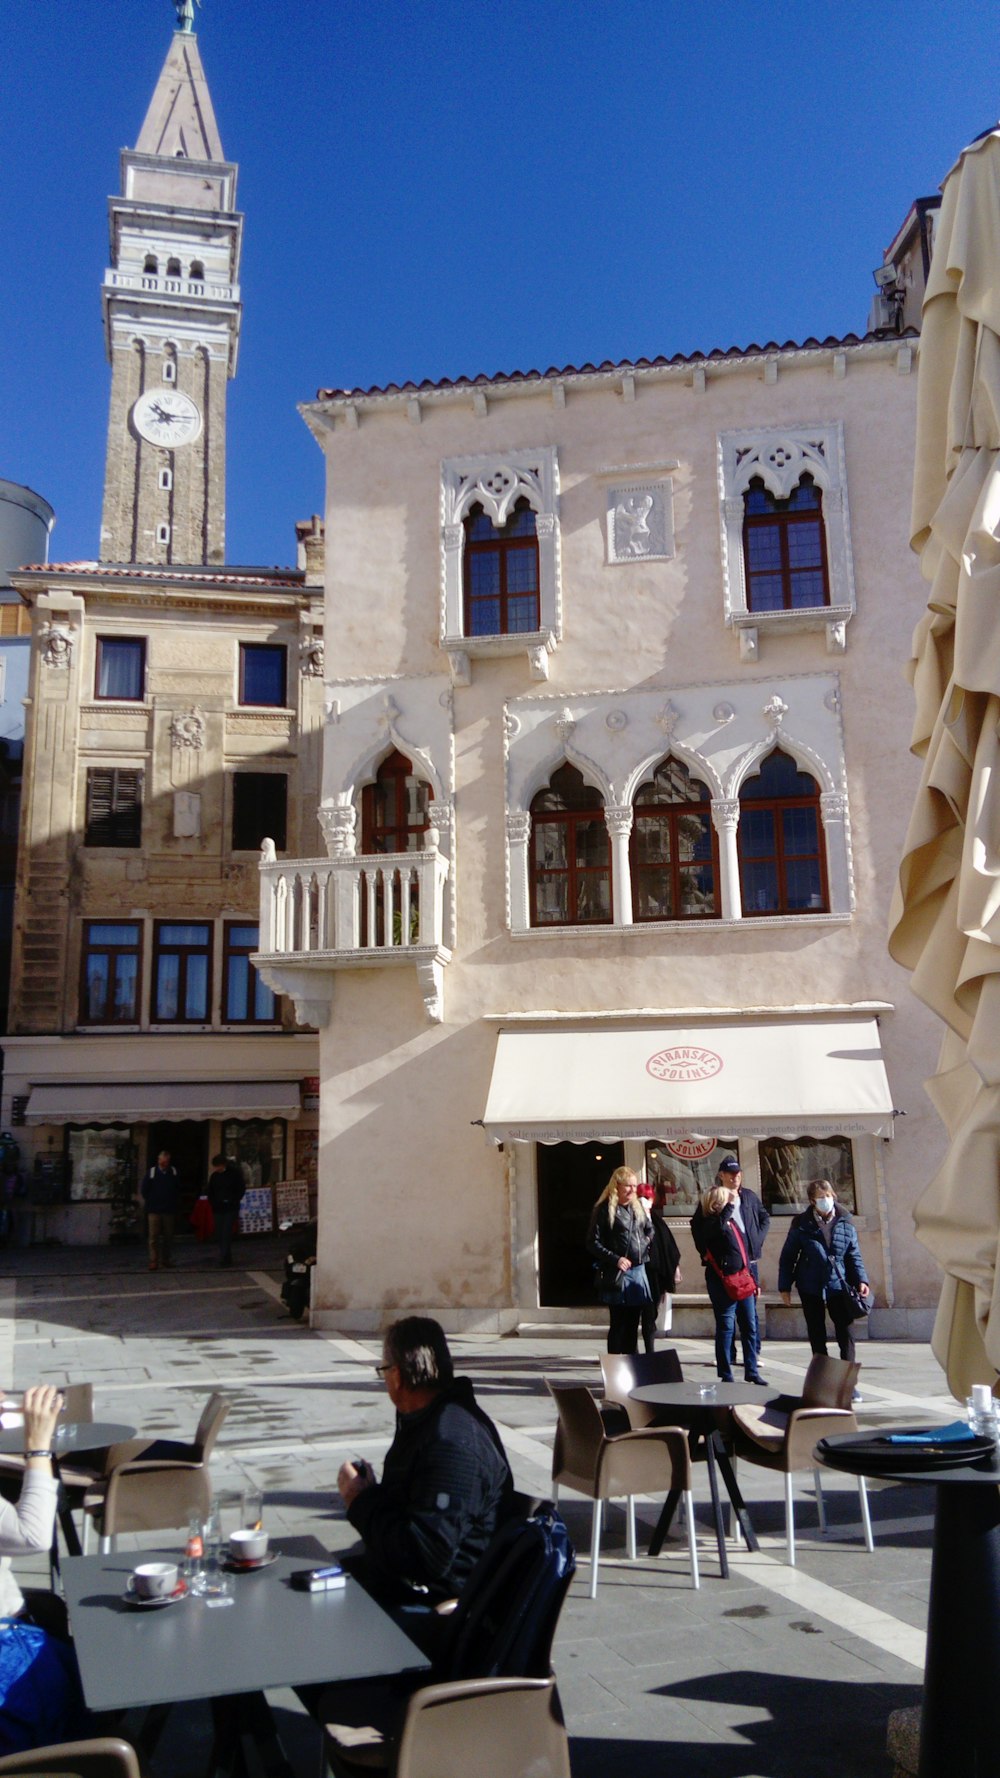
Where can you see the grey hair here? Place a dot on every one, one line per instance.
(418, 1348)
(820, 1187)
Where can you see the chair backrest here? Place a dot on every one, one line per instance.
(104, 1758)
(513, 1728)
(209, 1426)
(508, 1610)
(623, 1372)
(829, 1383)
(154, 1497)
(580, 1432)
(78, 1404)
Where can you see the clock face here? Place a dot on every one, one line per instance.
(166, 417)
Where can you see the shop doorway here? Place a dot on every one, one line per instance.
(571, 1176)
(188, 1145)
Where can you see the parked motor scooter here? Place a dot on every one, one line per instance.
(299, 1262)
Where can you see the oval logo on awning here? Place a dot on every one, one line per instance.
(691, 1148)
(685, 1061)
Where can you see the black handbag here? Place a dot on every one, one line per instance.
(861, 1306)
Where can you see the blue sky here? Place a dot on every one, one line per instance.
(468, 185)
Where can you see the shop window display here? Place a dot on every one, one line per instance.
(101, 1164)
(686, 1166)
(787, 1169)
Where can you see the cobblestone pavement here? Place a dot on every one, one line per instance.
(775, 1673)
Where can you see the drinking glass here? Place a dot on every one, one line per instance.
(253, 1510)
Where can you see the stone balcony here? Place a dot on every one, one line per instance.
(318, 915)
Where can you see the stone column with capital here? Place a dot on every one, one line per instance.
(726, 817)
(518, 841)
(833, 810)
(618, 818)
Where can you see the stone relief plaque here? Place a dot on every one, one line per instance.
(640, 521)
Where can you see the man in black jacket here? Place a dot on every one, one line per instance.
(750, 1217)
(226, 1189)
(445, 1483)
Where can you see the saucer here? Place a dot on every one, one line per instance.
(247, 1564)
(131, 1597)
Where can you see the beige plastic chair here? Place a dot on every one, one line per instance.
(624, 1371)
(510, 1728)
(155, 1484)
(104, 1758)
(784, 1435)
(603, 1466)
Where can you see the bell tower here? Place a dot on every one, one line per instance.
(172, 315)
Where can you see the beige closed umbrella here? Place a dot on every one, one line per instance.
(945, 922)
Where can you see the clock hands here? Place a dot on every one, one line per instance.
(164, 415)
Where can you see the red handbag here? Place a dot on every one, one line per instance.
(737, 1285)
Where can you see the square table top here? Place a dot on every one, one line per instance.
(271, 1636)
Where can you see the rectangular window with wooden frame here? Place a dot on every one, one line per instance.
(182, 972)
(120, 670)
(114, 806)
(246, 1000)
(110, 972)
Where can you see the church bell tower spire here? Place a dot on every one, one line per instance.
(172, 316)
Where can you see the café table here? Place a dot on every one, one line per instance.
(958, 1721)
(73, 1440)
(707, 1417)
(270, 1636)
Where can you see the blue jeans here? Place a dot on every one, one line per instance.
(727, 1315)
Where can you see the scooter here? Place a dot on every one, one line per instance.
(299, 1261)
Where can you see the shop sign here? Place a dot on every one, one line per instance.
(309, 1089)
(691, 1148)
(683, 1062)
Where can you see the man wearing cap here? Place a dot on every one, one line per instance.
(750, 1217)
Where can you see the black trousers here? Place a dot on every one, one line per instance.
(623, 1332)
(838, 1303)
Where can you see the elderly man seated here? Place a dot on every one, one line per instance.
(445, 1483)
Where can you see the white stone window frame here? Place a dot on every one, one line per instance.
(497, 481)
(780, 456)
(565, 740)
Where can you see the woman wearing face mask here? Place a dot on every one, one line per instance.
(821, 1257)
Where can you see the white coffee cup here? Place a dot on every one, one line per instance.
(155, 1580)
(248, 1545)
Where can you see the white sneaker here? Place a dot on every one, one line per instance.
(857, 1396)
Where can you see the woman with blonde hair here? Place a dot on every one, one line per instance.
(724, 1252)
(619, 1239)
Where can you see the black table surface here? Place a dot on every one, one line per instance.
(271, 1636)
(688, 1395)
(836, 1453)
(75, 1435)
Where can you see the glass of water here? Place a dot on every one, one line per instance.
(253, 1510)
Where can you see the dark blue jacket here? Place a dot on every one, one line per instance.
(816, 1269)
(160, 1191)
(756, 1222)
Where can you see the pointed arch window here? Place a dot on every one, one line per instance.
(780, 841)
(784, 548)
(673, 851)
(570, 854)
(501, 573)
(394, 810)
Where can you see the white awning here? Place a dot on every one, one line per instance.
(779, 1077)
(162, 1101)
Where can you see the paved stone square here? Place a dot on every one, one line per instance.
(775, 1673)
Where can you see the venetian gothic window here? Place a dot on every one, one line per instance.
(394, 810)
(780, 841)
(784, 548)
(570, 853)
(501, 573)
(673, 853)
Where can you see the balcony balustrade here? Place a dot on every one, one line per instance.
(318, 915)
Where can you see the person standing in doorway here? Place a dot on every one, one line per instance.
(225, 1194)
(619, 1239)
(159, 1193)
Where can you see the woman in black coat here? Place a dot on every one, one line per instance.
(719, 1245)
(619, 1239)
(663, 1267)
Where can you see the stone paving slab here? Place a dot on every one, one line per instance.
(776, 1673)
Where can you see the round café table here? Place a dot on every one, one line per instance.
(958, 1723)
(709, 1418)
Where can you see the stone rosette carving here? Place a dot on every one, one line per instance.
(57, 647)
(187, 730)
(616, 720)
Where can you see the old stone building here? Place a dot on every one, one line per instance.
(615, 781)
(174, 719)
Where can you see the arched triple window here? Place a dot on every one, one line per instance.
(780, 841)
(394, 810)
(570, 853)
(673, 853)
(501, 573)
(784, 548)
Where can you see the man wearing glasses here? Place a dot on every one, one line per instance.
(445, 1481)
